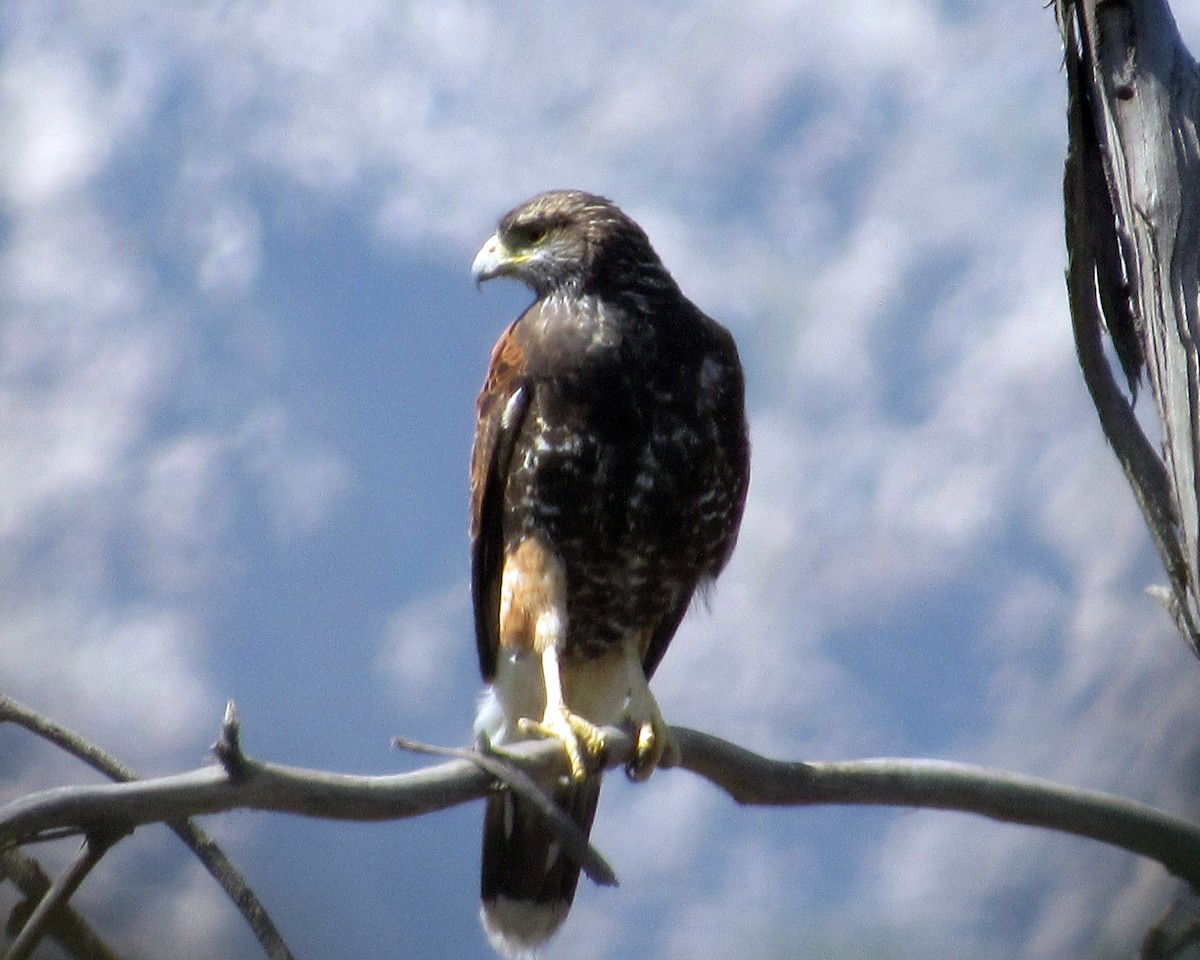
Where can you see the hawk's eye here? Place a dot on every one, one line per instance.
(534, 234)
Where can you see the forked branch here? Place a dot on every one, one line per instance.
(82, 942)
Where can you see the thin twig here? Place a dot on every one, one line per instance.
(93, 848)
(197, 840)
(1163, 943)
(228, 748)
(574, 841)
(67, 927)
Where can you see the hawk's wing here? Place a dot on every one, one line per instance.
(501, 409)
(664, 632)
(728, 476)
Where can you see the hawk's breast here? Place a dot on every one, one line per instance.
(620, 468)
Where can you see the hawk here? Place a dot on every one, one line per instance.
(608, 476)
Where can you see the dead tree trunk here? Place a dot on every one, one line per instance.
(1132, 198)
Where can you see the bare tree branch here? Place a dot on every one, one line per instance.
(1132, 198)
(91, 851)
(66, 927)
(1095, 276)
(1166, 939)
(196, 839)
(747, 777)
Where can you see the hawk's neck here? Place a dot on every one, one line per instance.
(564, 331)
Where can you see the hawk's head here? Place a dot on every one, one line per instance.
(569, 241)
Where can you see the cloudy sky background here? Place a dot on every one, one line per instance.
(239, 349)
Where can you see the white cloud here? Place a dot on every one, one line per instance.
(421, 644)
(231, 251)
(184, 508)
(56, 139)
(107, 672)
(302, 480)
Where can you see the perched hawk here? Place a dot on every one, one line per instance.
(607, 481)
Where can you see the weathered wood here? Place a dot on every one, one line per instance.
(1132, 200)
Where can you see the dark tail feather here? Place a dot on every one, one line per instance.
(528, 882)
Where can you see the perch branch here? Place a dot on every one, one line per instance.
(745, 776)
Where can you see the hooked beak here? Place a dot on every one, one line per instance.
(492, 260)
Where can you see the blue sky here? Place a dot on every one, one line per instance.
(238, 359)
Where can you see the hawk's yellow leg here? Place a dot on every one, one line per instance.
(581, 738)
(656, 744)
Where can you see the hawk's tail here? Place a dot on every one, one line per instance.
(528, 881)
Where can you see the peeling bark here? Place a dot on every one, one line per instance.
(1132, 201)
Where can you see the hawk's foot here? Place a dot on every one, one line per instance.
(656, 745)
(582, 739)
